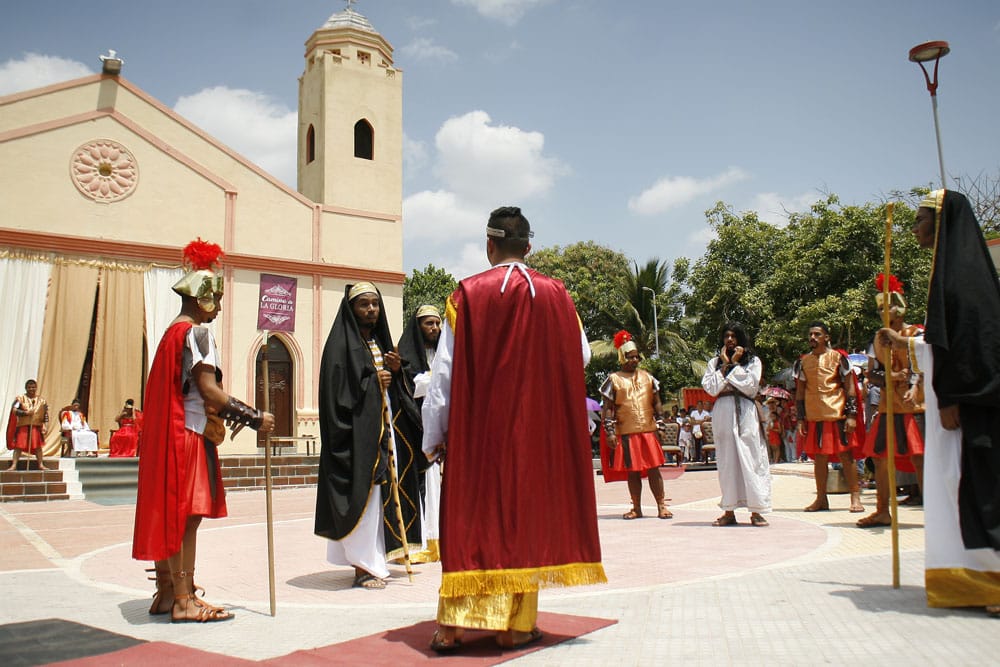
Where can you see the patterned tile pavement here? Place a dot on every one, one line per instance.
(809, 589)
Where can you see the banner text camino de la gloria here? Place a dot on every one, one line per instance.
(276, 307)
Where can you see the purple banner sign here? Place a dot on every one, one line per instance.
(276, 308)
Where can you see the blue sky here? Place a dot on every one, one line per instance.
(619, 121)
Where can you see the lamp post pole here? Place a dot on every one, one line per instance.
(920, 54)
(656, 324)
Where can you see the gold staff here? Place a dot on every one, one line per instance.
(890, 418)
(394, 483)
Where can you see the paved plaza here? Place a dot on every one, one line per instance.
(809, 589)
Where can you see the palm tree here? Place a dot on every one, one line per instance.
(636, 293)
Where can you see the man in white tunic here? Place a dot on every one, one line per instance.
(74, 422)
(733, 377)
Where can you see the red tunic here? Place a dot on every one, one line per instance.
(125, 441)
(173, 465)
(518, 508)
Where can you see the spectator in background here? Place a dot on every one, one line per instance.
(125, 441)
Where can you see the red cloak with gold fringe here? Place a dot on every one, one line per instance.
(518, 508)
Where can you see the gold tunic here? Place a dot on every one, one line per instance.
(634, 399)
(36, 409)
(825, 396)
(901, 361)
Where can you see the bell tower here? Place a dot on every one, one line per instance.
(350, 138)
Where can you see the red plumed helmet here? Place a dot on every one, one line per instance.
(621, 338)
(202, 255)
(894, 284)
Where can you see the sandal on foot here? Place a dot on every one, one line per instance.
(725, 520)
(816, 507)
(163, 598)
(993, 610)
(441, 644)
(664, 513)
(632, 514)
(758, 521)
(873, 520)
(206, 613)
(368, 581)
(529, 638)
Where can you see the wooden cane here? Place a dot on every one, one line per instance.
(890, 418)
(394, 485)
(267, 478)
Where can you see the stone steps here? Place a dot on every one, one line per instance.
(110, 481)
(28, 483)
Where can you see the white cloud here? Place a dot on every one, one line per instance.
(424, 48)
(35, 70)
(414, 156)
(506, 11)
(471, 259)
(674, 191)
(417, 23)
(254, 124)
(441, 216)
(489, 163)
(774, 208)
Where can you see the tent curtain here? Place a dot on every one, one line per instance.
(117, 368)
(23, 285)
(68, 313)
(162, 305)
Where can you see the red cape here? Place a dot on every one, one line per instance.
(161, 507)
(518, 489)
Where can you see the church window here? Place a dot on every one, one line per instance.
(310, 144)
(364, 58)
(364, 140)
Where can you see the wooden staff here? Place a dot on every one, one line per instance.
(889, 389)
(394, 484)
(267, 478)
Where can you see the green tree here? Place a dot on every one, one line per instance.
(591, 273)
(430, 286)
(820, 266)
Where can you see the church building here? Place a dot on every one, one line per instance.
(103, 187)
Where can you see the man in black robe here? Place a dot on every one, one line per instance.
(363, 390)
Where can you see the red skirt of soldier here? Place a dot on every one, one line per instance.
(636, 452)
(909, 440)
(830, 439)
(28, 439)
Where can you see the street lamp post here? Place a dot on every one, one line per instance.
(656, 324)
(920, 54)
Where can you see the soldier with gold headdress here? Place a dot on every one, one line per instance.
(907, 408)
(180, 481)
(632, 414)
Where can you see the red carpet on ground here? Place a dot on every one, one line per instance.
(400, 646)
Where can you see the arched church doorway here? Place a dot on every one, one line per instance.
(281, 372)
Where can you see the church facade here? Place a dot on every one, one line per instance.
(104, 185)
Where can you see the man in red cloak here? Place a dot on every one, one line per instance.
(179, 477)
(507, 404)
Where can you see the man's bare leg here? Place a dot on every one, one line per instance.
(820, 473)
(15, 456)
(38, 456)
(851, 477)
(635, 493)
(656, 486)
(881, 515)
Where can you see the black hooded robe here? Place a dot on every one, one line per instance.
(354, 440)
(963, 325)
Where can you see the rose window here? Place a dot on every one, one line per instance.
(104, 170)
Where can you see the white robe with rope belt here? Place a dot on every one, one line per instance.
(740, 446)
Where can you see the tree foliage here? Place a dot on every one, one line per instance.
(430, 286)
(821, 266)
